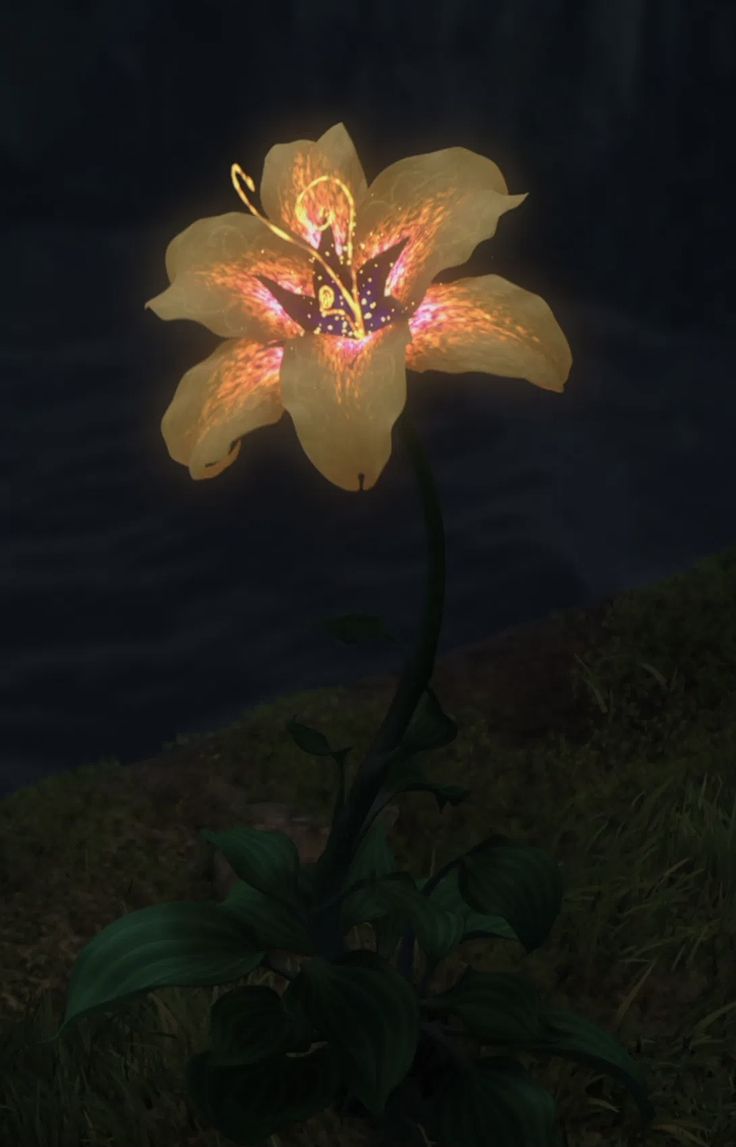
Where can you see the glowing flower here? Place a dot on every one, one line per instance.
(327, 296)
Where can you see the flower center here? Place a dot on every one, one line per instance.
(346, 303)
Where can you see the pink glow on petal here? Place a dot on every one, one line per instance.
(322, 201)
(449, 316)
(420, 219)
(245, 375)
(255, 298)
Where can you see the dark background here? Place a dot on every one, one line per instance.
(140, 603)
(617, 117)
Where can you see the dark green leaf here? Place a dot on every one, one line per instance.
(406, 1109)
(316, 744)
(451, 921)
(496, 1007)
(494, 1104)
(397, 896)
(476, 925)
(368, 1012)
(266, 860)
(445, 794)
(181, 944)
(430, 727)
(313, 742)
(404, 775)
(249, 1024)
(269, 923)
(570, 1036)
(519, 882)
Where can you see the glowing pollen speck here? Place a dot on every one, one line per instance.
(357, 299)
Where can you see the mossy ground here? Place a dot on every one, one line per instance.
(606, 736)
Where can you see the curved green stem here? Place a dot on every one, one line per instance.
(331, 869)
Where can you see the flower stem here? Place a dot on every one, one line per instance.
(331, 869)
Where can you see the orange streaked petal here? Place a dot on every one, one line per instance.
(344, 396)
(212, 267)
(488, 324)
(232, 392)
(290, 167)
(447, 202)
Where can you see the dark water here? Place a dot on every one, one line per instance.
(139, 604)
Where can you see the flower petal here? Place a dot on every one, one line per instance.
(488, 324)
(288, 170)
(446, 201)
(344, 396)
(232, 392)
(212, 267)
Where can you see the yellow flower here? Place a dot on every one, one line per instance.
(327, 297)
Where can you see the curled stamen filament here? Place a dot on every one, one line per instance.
(303, 217)
(357, 321)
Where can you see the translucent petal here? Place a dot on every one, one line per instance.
(344, 396)
(446, 201)
(290, 167)
(488, 324)
(232, 392)
(212, 267)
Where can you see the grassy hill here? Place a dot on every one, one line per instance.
(606, 736)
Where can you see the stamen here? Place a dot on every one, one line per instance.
(326, 298)
(236, 169)
(302, 216)
(357, 325)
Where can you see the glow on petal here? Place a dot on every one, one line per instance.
(212, 267)
(488, 324)
(229, 394)
(290, 168)
(446, 201)
(344, 396)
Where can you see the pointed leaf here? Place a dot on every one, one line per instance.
(250, 1024)
(313, 742)
(405, 775)
(519, 882)
(407, 1111)
(408, 777)
(495, 1007)
(476, 925)
(316, 744)
(430, 727)
(573, 1037)
(181, 944)
(249, 1103)
(266, 860)
(494, 1104)
(396, 895)
(268, 923)
(452, 920)
(369, 1012)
